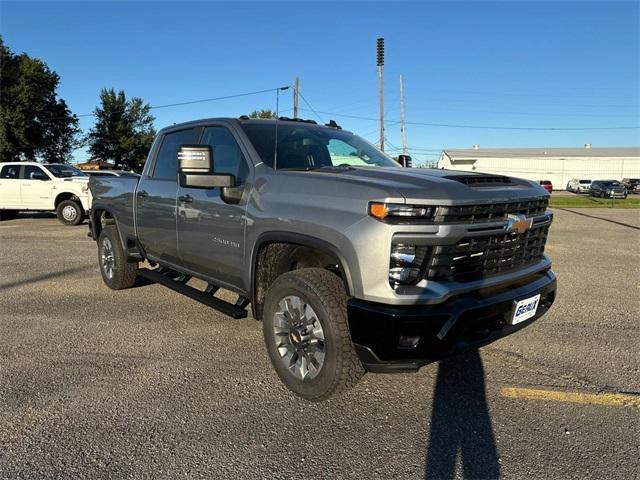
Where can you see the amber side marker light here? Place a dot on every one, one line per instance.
(399, 210)
(378, 210)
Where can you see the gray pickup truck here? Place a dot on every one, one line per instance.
(352, 262)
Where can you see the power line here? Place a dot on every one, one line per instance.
(486, 127)
(309, 105)
(189, 102)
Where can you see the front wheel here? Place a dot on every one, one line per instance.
(116, 272)
(70, 212)
(307, 334)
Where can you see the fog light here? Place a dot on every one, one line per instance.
(405, 264)
(403, 254)
(403, 275)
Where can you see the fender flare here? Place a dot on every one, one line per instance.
(302, 240)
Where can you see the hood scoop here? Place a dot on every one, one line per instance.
(482, 180)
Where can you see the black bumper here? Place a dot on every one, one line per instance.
(394, 338)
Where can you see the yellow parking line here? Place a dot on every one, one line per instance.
(614, 399)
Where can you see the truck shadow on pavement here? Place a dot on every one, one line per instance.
(460, 422)
(46, 277)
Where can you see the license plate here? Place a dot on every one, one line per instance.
(525, 309)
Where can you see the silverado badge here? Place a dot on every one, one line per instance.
(518, 223)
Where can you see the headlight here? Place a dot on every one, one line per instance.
(383, 211)
(406, 263)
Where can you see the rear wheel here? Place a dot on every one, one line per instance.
(70, 212)
(116, 272)
(307, 335)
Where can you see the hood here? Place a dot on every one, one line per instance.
(446, 187)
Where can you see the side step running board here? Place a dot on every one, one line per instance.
(179, 285)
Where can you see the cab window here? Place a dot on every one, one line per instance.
(227, 156)
(9, 171)
(166, 166)
(29, 172)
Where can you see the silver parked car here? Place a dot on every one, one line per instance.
(576, 185)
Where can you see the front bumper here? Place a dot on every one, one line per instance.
(396, 338)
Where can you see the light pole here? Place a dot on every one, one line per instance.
(380, 58)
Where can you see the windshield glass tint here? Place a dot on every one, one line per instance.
(309, 147)
(585, 181)
(64, 171)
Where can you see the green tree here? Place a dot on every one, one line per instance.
(123, 131)
(34, 122)
(262, 113)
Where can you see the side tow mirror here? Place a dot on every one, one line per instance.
(404, 160)
(195, 168)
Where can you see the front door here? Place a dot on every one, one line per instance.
(10, 187)
(156, 200)
(210, 229)
(35, 188)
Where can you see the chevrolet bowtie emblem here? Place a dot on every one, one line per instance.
(518, 223)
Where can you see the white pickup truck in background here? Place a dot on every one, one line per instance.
(44, 187)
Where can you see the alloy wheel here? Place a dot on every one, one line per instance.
(108, 258)
(299, 337)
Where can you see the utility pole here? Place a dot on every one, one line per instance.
(296, 88)
(380, 44)
(402, 124)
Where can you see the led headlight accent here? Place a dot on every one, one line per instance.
(399, 210)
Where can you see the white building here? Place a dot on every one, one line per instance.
(556, 164)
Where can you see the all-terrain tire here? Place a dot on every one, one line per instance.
(324, 292)
(117, 273)
(70, 212)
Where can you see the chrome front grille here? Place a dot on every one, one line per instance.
(475, 258)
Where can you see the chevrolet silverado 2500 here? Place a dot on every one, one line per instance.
(352, 263)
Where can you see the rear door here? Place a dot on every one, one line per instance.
(34, 189)
(10, 187)
(156, 199)
(210, 229)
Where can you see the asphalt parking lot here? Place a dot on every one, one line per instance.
(145, 383)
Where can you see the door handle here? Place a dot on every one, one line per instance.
(143, 194)
(186, 198)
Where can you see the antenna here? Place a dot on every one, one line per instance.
(275, 150)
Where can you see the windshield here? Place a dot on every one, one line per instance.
(612, 184)
(309, 147)
(64, 171)
(585, 181)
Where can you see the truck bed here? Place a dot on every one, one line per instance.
(116, 195)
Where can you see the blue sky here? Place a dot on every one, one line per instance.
(517, 64)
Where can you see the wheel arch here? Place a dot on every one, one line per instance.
(323, 247)
(66, 195)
